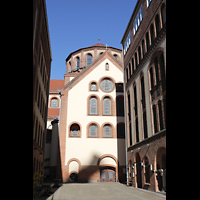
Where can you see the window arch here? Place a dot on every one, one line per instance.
(54, 102)
(74, 130)
(89, 59)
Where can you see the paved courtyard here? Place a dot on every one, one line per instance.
(102, 191)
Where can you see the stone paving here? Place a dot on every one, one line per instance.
(102, 191)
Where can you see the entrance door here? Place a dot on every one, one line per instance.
(107, 175)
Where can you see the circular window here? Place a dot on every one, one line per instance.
(107, 85)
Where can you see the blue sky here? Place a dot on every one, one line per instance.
(74, 24)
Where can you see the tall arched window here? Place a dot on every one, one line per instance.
(147, 40)
(136, 63)
(93, 130)
(152, 33)
(89, 59)
(139, 53)
(107, 131)
(143, 48)
(163, 14)
(107, 106)
(157, 24)
(77, 62)
(93, 106)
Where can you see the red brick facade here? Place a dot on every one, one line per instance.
(145, 91)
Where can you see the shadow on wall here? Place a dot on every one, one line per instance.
(85, 174)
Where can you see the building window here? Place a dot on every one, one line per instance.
(127, 42)
(107, 131)
(152, 33)
(138, 20)
(115, 56)
(93, 106)
(157, 21)
(93, 130)
(163, 14)
(107, 106)
(147, 41)
(54, 102)
(93, 86)
(77, 62)
(136, 114)
(148, 2)
(144, 108)
(89, 59)
(107, 66)
(107, 85)
(74, 130)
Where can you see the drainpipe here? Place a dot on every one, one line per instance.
(125, 117)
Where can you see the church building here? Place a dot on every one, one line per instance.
(92, 127)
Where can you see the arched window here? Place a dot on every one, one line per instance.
(129, 70)
(93, 86)
(93, 106)
(139, 53)
(107, 131)
(152, 33)
(163, 14)
(107, 106)
(151, 77)
(144, 108)
(74, 130)
(89, 59)
(54, 102)
(136, 63)
(143, 48)
(107, 66)
(132, 65)
(93, 130)
(157, 21)
(147, 40)
(77, 62)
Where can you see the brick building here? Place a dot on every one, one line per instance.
(41, 75)
(92, 135)
(144, 62)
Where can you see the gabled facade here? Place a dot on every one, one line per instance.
(92, 135)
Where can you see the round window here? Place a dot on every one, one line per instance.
(106, 85)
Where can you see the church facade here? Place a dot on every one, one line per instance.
(92, 127)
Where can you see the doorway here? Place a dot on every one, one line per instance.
(107, 175)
